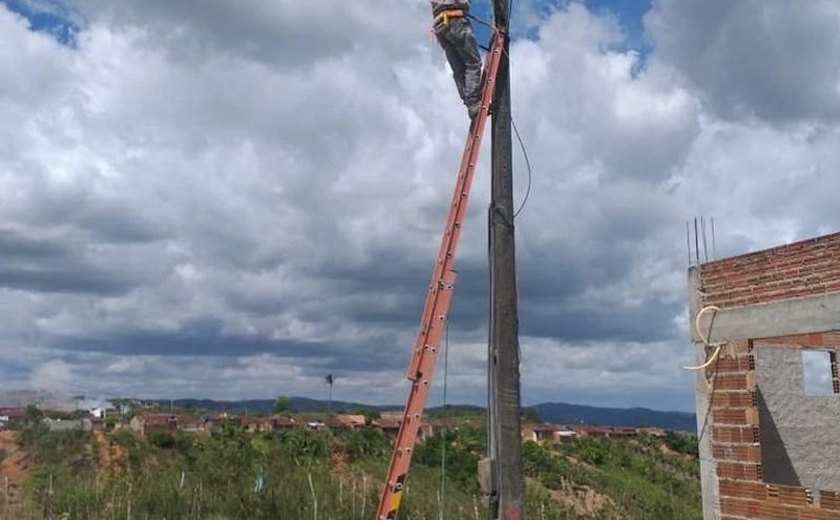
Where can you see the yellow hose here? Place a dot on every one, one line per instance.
(704, 339)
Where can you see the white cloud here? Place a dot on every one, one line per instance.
(53, 376)
(754, 59)
(224, 202)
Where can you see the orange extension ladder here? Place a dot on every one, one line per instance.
(436, 309)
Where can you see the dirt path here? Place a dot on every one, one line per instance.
(14, 468)
(111, 456)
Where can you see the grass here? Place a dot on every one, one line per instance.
(324, 476)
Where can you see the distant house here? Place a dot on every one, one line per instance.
(258, 424)
(565, 435)
(390, 423)
(120, 409)
(652, 431)
(593, 431)
(548, 432)
(316, 425)
(211, 423)
(67, 425)
(527, 432)
(233, 420)
(283, 423)
(346, 421)
(191, 424)
(625, 432)
(8, 415)
(426, 430)
(249, 424)
(147, 423)
(615, 432)
(544, 432)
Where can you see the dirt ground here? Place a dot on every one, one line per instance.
(13, 471)
(585, 500)
(111, 456)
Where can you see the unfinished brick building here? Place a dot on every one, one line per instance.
(769, 432)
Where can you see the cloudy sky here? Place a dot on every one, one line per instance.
(232, 199)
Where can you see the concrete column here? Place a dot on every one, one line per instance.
(702, 390)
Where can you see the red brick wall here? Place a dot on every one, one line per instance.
(800, 269)
(736, 443)
(804, 268)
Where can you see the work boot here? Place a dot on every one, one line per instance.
(474, 109)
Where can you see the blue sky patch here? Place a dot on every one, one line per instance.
(628, 13)
(52, 17)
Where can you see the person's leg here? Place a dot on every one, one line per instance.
(453, 56)
(464, 41)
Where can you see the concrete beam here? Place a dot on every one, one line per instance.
(805, 315)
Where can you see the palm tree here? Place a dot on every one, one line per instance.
(330, 380)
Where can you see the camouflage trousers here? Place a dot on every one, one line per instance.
(458, 41)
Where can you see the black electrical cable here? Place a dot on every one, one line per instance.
(513, 123)
(527, 164)
(442, 502)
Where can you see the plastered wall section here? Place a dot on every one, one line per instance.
(800, 434)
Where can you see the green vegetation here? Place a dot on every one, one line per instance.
(685, 444)
(461, 449)
(633, 478)
(281, 404)
(531, 415)
(302, 474)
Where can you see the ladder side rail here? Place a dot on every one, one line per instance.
(444, 252)
(452, 228)
(438, 301)
(444, 263)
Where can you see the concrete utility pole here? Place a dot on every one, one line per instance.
(505, 444)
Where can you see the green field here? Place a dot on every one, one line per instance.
(232, 474)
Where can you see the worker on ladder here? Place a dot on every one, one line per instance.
(455, 34)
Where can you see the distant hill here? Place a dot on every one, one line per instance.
(565, 413)
(296, 404)
(558, 413)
